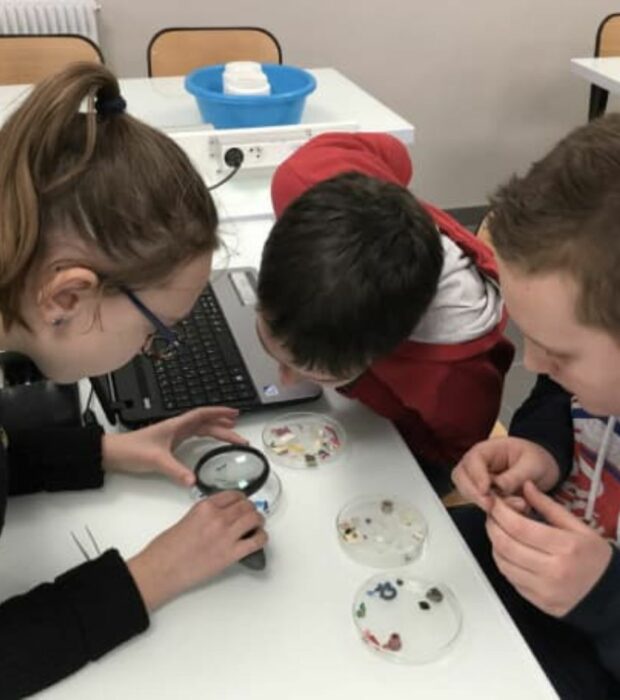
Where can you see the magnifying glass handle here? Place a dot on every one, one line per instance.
(256, 561)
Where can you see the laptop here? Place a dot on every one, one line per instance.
(221, 363)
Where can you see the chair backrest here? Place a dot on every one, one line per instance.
(608, 37)
(482, 232)
(177, 51)
(28, 58)
(607, 43)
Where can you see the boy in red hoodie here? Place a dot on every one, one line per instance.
(389, 300)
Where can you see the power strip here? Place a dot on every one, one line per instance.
(263, 148)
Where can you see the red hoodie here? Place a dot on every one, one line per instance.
(443, 397)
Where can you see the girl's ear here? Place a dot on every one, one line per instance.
(65, 293)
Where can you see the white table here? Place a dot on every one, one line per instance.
(286, 632)
(165, 104)
(604, 72)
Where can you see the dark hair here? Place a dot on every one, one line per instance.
(347, 272)
(107, 178)
(564, 216)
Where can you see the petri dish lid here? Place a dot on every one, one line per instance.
(406, 620)
(382, 531)
(267, 498)
(304, 440)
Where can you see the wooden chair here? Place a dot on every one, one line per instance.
(482, 232)
(177, 51)
(28, 58)
(607, 44)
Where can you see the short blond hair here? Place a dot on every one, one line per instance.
(564, 215)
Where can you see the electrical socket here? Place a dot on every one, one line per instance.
(265, 154)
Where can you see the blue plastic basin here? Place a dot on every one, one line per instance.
(289, 88)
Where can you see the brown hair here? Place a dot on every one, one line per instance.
(564, 216)
(104, 176)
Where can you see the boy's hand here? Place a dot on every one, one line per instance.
(151, 449)
(553, 564)
(504, 464)
(201, 545)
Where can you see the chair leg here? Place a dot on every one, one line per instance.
(598, 102)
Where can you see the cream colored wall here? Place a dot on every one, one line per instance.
(486, 82)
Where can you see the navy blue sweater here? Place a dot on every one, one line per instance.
(545, 418)
(58, 627)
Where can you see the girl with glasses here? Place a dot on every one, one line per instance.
(102, 218)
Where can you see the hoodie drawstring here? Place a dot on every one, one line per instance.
(598, 469)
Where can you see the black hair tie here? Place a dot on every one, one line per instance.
(107, 106)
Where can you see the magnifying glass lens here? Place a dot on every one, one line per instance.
(231, 470)
(239, 467)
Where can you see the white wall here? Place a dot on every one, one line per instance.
(486, 82)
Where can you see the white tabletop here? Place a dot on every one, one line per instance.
(287, 632)
(164, 103)
(604, 72)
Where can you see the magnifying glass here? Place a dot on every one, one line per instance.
(239, 468)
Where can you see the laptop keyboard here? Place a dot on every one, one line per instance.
(208, 368)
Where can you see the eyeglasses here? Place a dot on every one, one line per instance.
(164, 342)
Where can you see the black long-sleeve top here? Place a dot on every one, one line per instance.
(56, 628)
(545, 418)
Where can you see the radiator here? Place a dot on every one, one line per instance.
(49, 17)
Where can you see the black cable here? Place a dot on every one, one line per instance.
(224, 180)
(234, 159)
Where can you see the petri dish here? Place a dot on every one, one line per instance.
(267, 498)
(304, 440)
(382, 531)
(406, 620)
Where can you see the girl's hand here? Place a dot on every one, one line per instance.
(151, 449)
(201, 545)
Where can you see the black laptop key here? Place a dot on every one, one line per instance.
(227, 347)
(208, 369)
